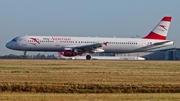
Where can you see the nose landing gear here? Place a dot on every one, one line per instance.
(24, 56)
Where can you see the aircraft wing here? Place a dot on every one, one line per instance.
(91, 48)
(156, 45)
(161, 43)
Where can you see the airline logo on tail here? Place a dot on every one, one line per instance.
(164, 27)
(161, 30)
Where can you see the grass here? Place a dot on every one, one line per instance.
(74, 76)
(87, 97)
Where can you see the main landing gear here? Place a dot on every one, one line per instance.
(88, 57)
(24, 56)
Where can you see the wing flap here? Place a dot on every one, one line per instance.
(90, 47)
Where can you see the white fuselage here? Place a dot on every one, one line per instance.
(58, 43)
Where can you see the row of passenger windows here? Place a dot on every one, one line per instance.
(97, 42)
(77, 42)
(122, 42)
(86, 42)
(39, 41)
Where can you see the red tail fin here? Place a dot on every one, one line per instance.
(161, 30)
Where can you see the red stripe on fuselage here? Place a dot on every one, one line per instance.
(153, 35)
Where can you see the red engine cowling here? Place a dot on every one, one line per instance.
(69, 52)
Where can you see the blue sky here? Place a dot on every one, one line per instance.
(120, 18)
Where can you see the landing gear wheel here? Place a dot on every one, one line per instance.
(88, 57)
(23, 57)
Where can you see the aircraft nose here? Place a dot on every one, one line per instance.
(8, 45)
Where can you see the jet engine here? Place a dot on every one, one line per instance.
(70, 52)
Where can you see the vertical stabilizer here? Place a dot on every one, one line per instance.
(161, 30)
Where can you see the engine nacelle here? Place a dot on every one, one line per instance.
(70, 52)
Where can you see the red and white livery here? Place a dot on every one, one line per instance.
(72, 46)
(161, 30)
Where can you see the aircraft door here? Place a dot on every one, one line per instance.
(57, 43)
(24, 44)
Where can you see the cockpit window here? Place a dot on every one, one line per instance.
(14, 40)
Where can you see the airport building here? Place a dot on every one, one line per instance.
(164, 54)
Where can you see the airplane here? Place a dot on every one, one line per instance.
(73, 46)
